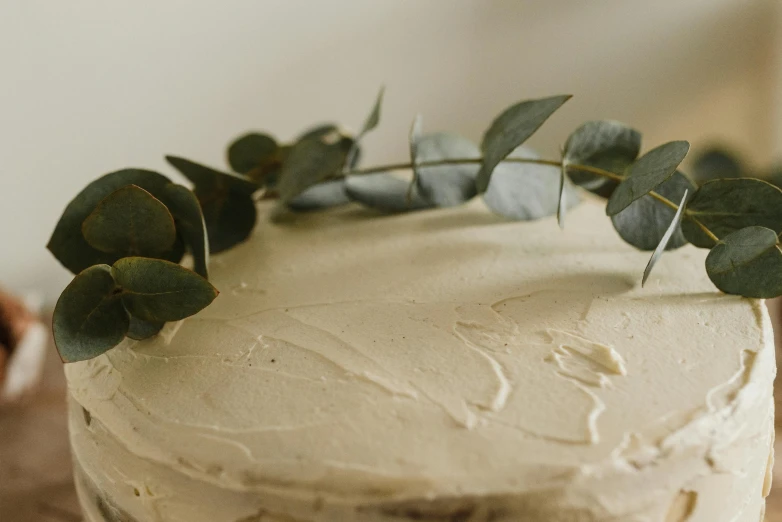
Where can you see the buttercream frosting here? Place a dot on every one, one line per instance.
(438, 366)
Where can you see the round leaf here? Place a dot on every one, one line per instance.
(526, 191)
(89, 318)
(727, 205)
(608, 145)
(250, 151)
(649, 171)
(512, 128)
(186, 209)
(385, 192)
(323, 195)
(67, 242)
(130, 221)
(747, 262)
(158, 291)
(446, 185)
(140, 330)
(644, 222)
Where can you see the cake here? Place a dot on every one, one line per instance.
(436, 366)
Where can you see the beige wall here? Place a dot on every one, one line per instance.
(89, 86)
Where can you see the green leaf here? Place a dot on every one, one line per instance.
(186, 209)
(211, 181)
(374, 117)
(369, 124)
(323, 195)
(158, 291)
(716, 163)
(649, 171)
(607, 145)
(251, 151)
(727, 205)
(130, 221)
(226, 202)
(446, 185)
(67, 242)
(562, 200)
(526, 191)
(512, 128)
(140, 329)
(644, 222)
(747, 262)
(311, 161)
(673, 227)
(384, 192)
(318, 131)
(89, 318)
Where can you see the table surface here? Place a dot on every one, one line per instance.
(35, 469)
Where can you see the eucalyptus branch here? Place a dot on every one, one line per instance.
(552, 163)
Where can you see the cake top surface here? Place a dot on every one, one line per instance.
(432, 353)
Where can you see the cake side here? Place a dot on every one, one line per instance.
(440, 365)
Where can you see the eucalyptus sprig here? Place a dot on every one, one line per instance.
(652, 205)
(140, 223)
(124, 234)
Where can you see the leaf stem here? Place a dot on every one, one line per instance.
(552, 163)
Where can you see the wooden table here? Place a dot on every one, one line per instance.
(35, 468)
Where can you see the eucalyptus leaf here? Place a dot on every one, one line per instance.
(370, 124)
(89, 318)
(130, 221)
(649, 171)
(607, 145)
(140, 329)
(311, 161)
(373, 119)
(747, 262)
(526, 191)
(727, 205)
(385, 192)
(67, 243)
(250, 151)
(229, 220)
(226, 203)
(644, 222)
(318, 131)
(211, 181)
(673, 227)
(186, 209)
(414, 137)
(323, 195)
(562, 200)
(157, 291)
(446, 185)
(716, 163)
(512, 128)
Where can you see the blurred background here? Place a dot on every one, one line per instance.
(89, 86)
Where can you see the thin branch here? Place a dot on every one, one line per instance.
(551, 163)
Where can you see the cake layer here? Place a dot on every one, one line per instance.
(440, 366)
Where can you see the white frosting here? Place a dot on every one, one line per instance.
(440, 366)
